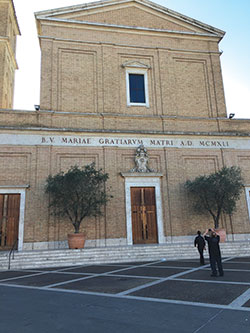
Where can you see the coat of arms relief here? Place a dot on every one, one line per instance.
(141, 160)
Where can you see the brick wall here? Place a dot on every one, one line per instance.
(87, 61)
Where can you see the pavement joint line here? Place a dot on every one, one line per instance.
(119, 270)
(22, 277)
(172, 277)
(65, 268)
(241, 300)
(26, 270)
(208, 268)
(135, 276)
(235, 270)
(124, 264)
(150, 263)
(208, 321)
(93, 275)
(138, 298)
(213, 281)
(180, 267)
(68, 281)
(59, 272)
(47, 269)
(150, 284)
(228, 259)
(66, 273)
(199, 304)
(132, 267)
(90, 275)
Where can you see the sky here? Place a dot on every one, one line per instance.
(232, 16)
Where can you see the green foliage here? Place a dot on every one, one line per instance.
(77, 193)
(217, 192)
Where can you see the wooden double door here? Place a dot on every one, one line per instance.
(9, 220)
(144, 223)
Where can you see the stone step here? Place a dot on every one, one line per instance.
(66, 257)
(110, 252)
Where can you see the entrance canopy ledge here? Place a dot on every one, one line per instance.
(141, 174)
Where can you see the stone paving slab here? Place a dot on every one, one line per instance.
(105, 284)
(247, 304)
(176, 296)
(190, 291)
(230, 276)
(236, 265)
(241, 259)
(95, 269)
(43, 311)
(49, 269)
(151, 271)
(188, 264)
(12, 274)
(132, 263)
(44, 279)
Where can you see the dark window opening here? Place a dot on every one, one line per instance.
(137, 88)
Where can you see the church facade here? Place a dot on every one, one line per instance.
(136, 88)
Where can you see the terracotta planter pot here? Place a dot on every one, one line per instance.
(222, 234)
(76, 241)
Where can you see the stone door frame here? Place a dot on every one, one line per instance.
(22, 191)
(143, 180)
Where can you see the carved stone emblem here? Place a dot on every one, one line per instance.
(141, 160)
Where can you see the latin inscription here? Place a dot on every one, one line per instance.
(76, 141)
(123, 142)
(216, 144)
(133, 142)
(163, 143)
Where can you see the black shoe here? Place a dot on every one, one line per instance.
(213, 275)
(222, 274)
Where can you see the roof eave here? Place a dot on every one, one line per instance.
(104, 3)
(106, 25)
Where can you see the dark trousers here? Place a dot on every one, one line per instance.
(213, 261)
(202, 261)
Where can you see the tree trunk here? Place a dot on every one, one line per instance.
(216, 222)
(77, 227)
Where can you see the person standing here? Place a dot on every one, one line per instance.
(213, 241)
(199, 242)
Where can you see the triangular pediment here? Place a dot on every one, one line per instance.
(129, 13)
(135, 64)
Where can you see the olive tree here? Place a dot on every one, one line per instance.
(216, 193)
(77, 193)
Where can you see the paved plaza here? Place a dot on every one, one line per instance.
(160, 296)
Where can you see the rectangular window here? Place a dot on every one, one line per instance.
(137, 90)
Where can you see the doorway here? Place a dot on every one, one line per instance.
(143, 210)
(9, 220)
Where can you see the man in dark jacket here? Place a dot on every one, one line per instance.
(214, 252)
(199, 242)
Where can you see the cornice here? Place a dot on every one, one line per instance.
(97, 25)
(128, 45)
(121, 132)
(106, 3)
